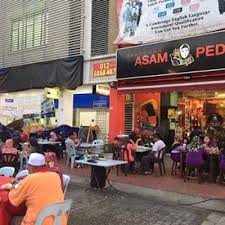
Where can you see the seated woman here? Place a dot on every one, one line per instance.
(8, 148)
(128, 152)
(208, 145)
(176, 147)
(143, 140)
(195, 154)
(53, 136)
(26, 149)
(52, 163)
(24, 155)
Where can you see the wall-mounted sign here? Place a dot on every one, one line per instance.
(200, 53)
(104, 69)
(100, 104)
(144, 21)
(53, 93)
(16, 107)
(103, 89)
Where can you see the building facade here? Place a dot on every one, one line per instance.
(171, 78)
(46, 32)
(100, 30)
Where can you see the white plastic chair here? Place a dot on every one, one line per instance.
(98, 144)
(22, 173)
(71, 154)
(66, 180)
(7, 171)
(57, 210)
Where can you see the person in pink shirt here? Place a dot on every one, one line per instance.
(8, 148)
(128, 154)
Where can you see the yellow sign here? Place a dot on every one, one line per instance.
(53, 93)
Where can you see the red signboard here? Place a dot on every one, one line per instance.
(104, 69)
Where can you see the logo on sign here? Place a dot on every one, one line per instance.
(162, 14)
(9, 100)
(177, 10)
(182, 56)
(170, 5)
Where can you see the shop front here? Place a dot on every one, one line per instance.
(92, 107)
(171, 87)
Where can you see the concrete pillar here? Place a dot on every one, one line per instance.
(66, 108)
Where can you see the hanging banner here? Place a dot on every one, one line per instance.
(194, 54)
(144, 21)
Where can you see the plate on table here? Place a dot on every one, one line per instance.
(102, 159)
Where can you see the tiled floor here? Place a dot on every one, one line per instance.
(166, 183)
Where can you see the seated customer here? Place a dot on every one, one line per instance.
(128, 152)
(53, 136)
(4, 134)
(72, 144)
(116, 148)
(8, 148)
(35, 147)
(52, 163)
(148, 160)
(36, 191)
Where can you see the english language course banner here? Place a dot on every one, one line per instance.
(144, 21)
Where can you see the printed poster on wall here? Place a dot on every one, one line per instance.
(17, 107)
(144, 21)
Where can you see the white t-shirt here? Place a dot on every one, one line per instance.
(158, 145)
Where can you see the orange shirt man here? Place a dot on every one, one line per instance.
(38, 190)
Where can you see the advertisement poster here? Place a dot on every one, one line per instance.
(17, 107)
(144, 21)
(9, 107)
(147, 110)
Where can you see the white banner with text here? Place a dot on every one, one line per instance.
(145, 21)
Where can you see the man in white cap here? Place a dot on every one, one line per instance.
(38, 190)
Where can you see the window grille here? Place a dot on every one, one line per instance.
(38, 31)
(29, 32)
(100, 25)
(129, 117)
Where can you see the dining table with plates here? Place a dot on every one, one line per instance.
(141, 151)
(87, 147)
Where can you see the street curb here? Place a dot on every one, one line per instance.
(166, 196)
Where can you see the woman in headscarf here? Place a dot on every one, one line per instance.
(8, 147)
(52, 163)
(195, 154)
(53, 136)
(195, 145)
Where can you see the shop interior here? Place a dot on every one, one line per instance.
(179, 113)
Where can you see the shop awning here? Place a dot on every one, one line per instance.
(66, 73)
(199, 81)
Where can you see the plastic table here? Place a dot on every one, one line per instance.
(106, 164)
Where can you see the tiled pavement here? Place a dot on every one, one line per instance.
(94, 207)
